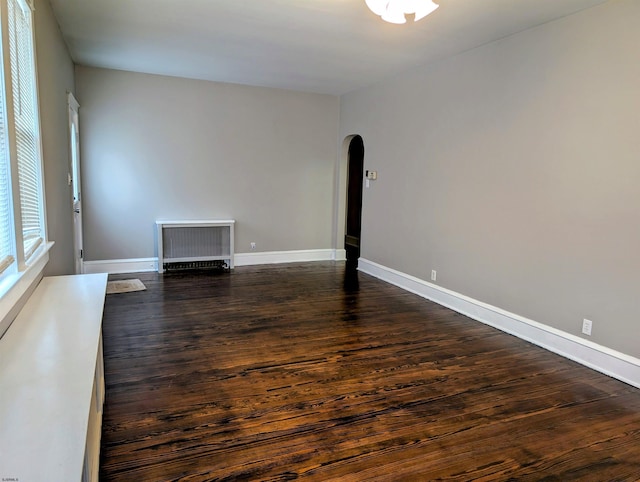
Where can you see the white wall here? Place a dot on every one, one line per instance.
(55, 79)
(156, 147)
(514, 171)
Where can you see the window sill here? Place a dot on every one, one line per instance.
(16, 289)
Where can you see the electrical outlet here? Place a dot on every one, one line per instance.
(253, 246)
(433, 275)
(586, 326)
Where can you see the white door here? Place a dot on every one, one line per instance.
(74, 182)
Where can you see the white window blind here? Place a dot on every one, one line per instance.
(6, 218)
(23, 78)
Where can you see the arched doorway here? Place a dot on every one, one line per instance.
(355, 173)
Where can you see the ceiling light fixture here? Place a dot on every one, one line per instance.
(394, 11)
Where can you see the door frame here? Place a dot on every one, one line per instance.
(354, 197)
(74, 181)
(340, 198)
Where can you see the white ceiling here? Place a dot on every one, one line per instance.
(324, 46)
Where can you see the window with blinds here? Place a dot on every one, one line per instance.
(6, 215)
(23, 83)
(21, 193)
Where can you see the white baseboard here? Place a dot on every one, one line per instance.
(113, 266)
(276, 257)
(605, 360)
(340, 255)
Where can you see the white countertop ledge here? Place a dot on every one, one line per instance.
(47, 367)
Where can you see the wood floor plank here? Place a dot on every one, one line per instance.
(302, 371)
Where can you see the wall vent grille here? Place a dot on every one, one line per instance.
(189, 242)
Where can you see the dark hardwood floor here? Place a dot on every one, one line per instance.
(294, 371)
